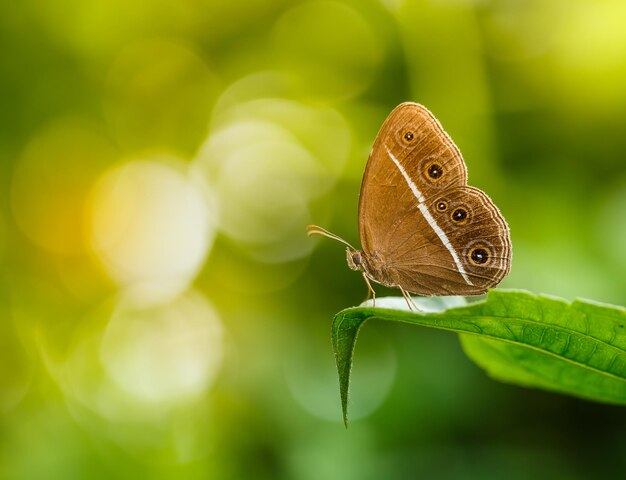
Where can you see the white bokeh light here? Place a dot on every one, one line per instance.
(143, 367)
(268, 159)
(152, 227)
(166, 353)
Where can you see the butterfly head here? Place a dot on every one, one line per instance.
(355, 259)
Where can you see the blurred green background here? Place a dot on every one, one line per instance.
(163, 314)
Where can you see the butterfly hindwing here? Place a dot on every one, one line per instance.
(475, 232)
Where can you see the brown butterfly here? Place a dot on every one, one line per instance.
(422, 228)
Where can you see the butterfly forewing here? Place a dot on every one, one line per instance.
(423, 227)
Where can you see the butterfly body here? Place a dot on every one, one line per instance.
(371, 266)
(422, 228)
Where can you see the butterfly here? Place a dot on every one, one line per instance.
(423, 230)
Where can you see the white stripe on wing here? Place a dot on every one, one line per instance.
(429, 218)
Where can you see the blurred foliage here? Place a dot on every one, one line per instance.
(163, 313)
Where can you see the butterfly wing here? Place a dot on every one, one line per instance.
(472, 255)
(423, 227)
(412, 136)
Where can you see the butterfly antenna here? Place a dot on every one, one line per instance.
(317, 230)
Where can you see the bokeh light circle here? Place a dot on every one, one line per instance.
(51, 183)
(330, 46)
(164, 354)
(152, 227)
(268, 159)
(159, 93)
(316, 391)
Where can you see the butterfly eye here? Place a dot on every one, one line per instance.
(435, 171)
(479, 255)
(459, 215)
(442, 206)
(409, 136)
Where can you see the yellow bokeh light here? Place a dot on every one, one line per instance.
(51, 183)
(152, 227)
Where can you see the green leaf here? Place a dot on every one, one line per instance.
(575, 348)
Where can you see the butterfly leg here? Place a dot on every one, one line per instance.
(370, 290)
(409, 300)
